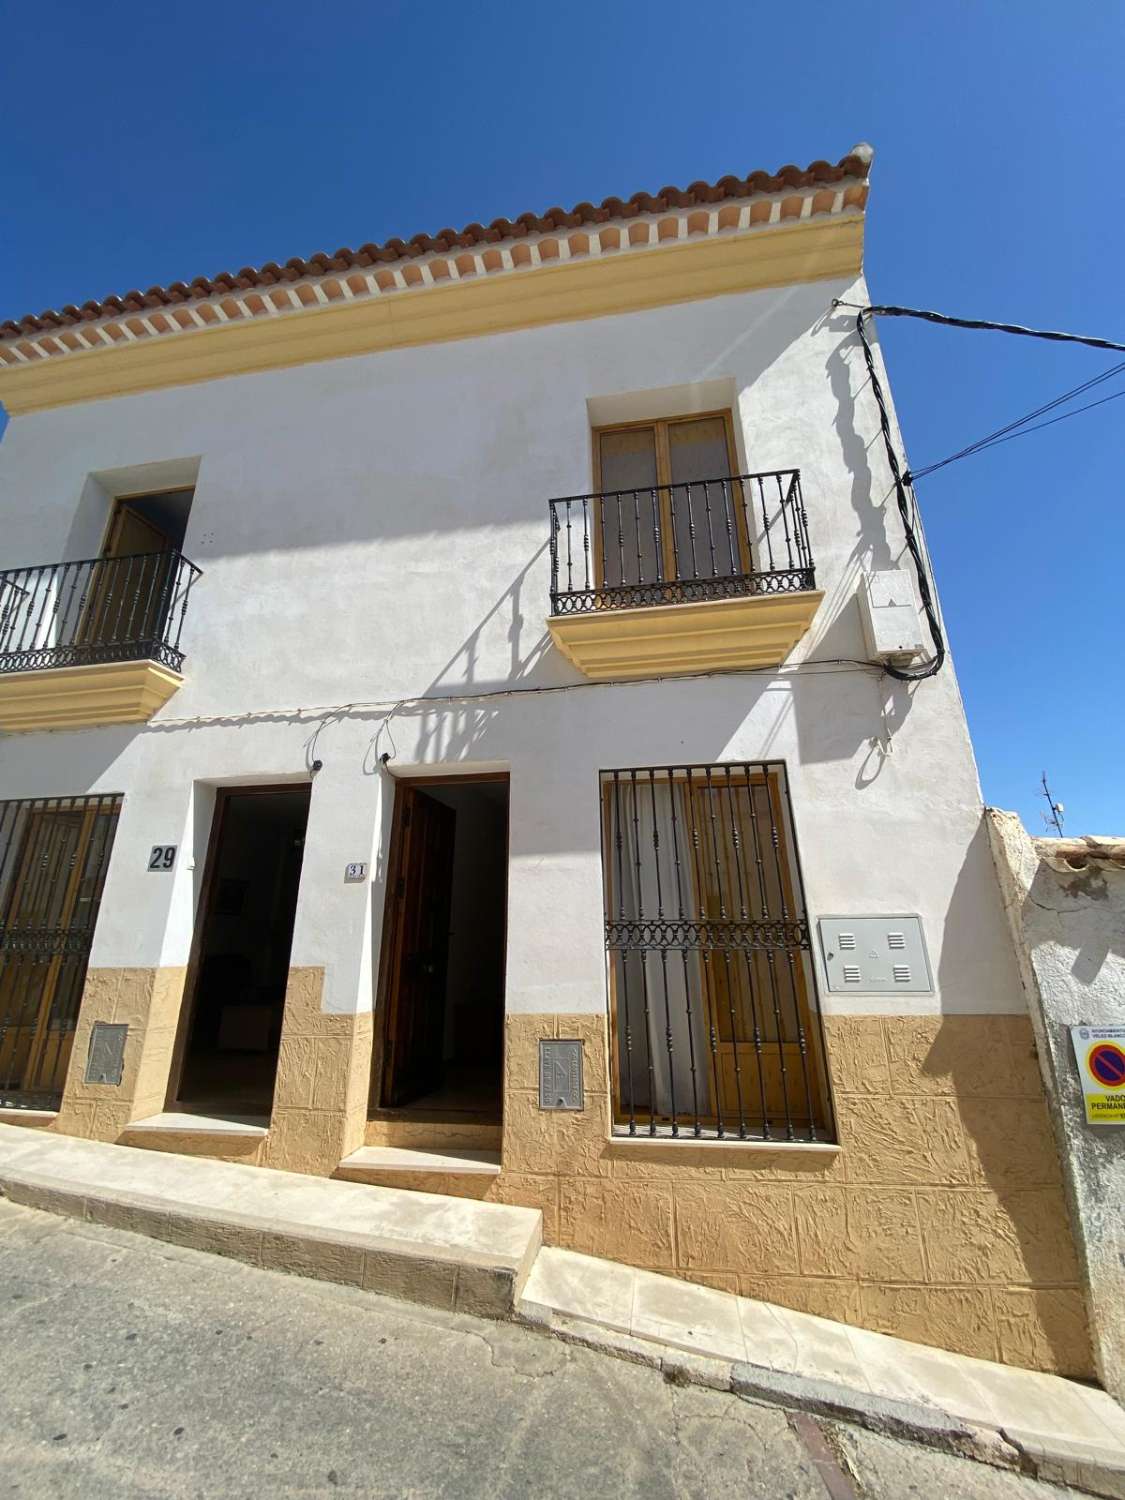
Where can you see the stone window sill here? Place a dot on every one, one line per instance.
(668, 1148)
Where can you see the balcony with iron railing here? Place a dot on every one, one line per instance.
(96, 641)
(679, 578)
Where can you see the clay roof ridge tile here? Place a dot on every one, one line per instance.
(856, 164)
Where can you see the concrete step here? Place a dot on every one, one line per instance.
(459, 1173)
(445, 1251)
(433, 1135)
(221, 1137)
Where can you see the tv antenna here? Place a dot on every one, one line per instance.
(1053, 817)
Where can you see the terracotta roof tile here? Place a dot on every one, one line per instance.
(856, 164)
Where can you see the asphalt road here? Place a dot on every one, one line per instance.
(136, 1369)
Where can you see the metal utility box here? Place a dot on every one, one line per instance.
(875, 955)
(891, 624)
(560, 1074)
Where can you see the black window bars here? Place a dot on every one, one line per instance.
(715, 1026)
(54, 852)
(719, 538)
(101, 609)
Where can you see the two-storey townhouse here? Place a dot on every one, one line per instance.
(448, 743)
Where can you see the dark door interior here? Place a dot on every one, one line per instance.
(242, 961)
(443, 976)
(423, 892)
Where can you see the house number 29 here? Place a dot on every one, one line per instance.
(163, 857)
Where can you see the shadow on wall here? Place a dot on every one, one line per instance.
(64, 765)
(870, 718)
(532, 658)
(1017, 1238)
(872, 547)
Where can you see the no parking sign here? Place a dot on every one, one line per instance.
(1100, 1055)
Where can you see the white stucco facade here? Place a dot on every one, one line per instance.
(373, 538)
(372, 443)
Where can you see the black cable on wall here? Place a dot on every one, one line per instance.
(906, 511)
(906, 504)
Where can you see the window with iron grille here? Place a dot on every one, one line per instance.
(715, 1025)
(54, 852)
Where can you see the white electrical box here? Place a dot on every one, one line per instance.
(891, 623)
(875, 955)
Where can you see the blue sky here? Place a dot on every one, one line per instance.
(151, 142)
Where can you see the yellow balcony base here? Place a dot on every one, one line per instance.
(118, 692)
(673, 639)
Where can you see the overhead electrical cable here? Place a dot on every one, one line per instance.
(903, 479)
(1019, 426)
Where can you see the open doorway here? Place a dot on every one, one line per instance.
(442, 979)
(241, 961)
(132, 587)
(147, 523)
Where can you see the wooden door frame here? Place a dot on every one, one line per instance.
(376, 1109)
(659, 427)
(189, 1002)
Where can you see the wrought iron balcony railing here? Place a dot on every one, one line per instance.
(679, 543)
(101, 609)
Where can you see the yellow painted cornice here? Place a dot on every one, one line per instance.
(630, 281)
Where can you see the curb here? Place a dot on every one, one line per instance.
(1076, 1464)
(465, 1283)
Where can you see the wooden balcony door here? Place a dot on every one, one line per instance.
(655, 463)
(129, 599)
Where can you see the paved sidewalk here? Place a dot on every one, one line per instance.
(486, 1259)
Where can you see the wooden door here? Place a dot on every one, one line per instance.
(667, 480)
(422, 893)
(130, 592)
(741, 874)
(50, 895)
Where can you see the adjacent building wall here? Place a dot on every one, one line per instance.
(1065, 901)
(374, 539)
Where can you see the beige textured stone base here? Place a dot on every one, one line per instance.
(940, 1218)
(148, 1001)
(320, 1098)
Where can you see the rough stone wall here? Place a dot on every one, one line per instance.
(1068, 926)
(148, 1002)
(320, 1097)
(940, 1219)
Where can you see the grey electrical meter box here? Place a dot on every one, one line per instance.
(105, 1056)
(560, 1074)
(875, 955)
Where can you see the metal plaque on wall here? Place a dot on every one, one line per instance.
(105, 1060)
(560, 1074)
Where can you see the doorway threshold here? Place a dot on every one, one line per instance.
(403, 1159)
(452, 1171)
(192, 1123)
